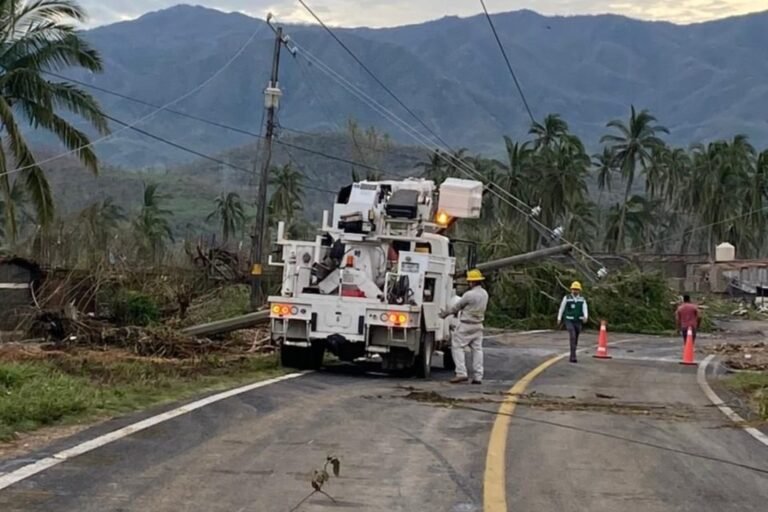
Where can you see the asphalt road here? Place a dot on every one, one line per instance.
(409, 445)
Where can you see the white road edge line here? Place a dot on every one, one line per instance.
(701, 377)
(8, 479)
(516, 333)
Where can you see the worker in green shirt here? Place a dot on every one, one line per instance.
(575, 313)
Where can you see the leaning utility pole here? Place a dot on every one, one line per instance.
(259, 236)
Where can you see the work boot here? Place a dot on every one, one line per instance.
(573, 359)
(459, 380)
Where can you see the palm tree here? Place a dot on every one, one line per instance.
(758, 195)
(98, 224)
(230, 212)
(549, 132)
(604, 166)
(636, 215)
(434, 168)
(152, 227)
(721, 185)
(286, 198)
(580, 224)
(36, 37)
(368, 146)
(519, 158)
(633, 146)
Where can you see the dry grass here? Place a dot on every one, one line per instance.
(41, 387)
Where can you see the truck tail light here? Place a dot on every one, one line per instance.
(284, 310)
(395, 318)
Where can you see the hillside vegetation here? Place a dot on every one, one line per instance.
(705, 80)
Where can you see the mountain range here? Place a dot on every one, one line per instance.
(702, 81)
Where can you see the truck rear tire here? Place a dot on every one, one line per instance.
(423, 364)
(302, 358)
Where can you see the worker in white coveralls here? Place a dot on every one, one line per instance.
(469, 333)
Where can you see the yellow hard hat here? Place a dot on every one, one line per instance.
(475, 275)
(576, 286)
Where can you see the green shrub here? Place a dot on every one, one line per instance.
(129, 307)
(226, 302)
(628, 301)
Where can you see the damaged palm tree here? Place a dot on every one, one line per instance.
(39, 38)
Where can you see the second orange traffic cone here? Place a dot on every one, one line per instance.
(688, 356)
(602, 342)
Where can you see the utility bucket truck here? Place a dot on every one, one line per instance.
(372, 284)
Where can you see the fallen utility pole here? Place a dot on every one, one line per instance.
(259, 236)
(228, 325)
(519, 259)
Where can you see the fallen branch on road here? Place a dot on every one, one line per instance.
(319, 478)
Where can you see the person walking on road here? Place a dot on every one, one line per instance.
(687, 317)
(575, 313)
(470, 309)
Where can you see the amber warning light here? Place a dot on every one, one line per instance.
(394, 318)
(284, 310)
(443, 218)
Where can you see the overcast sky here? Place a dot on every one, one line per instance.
(380, 13)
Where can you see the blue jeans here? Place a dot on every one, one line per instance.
(684, 334)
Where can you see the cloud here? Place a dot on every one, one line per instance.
(379, 13)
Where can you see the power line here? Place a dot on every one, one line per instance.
(198, 153)
(396, 98)
(318, 98)
(148, 116)
(368, 71)
(219, 124)
(698, 228)
(506, 59)
(615, 437)
(457, 162)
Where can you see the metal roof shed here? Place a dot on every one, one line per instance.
(18, 277)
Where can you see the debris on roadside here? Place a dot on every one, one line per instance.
(63, 331)
(742, 356)
(550, 403)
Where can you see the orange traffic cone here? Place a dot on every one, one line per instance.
(688, 357)
(602, 342)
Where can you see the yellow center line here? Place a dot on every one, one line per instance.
(495, 481)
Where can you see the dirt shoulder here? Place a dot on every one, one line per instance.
(745, 386)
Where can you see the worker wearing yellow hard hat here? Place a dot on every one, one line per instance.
(470, 310)
(574, 313)
(474, 276)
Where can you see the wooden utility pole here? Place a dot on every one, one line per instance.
(259, 236)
